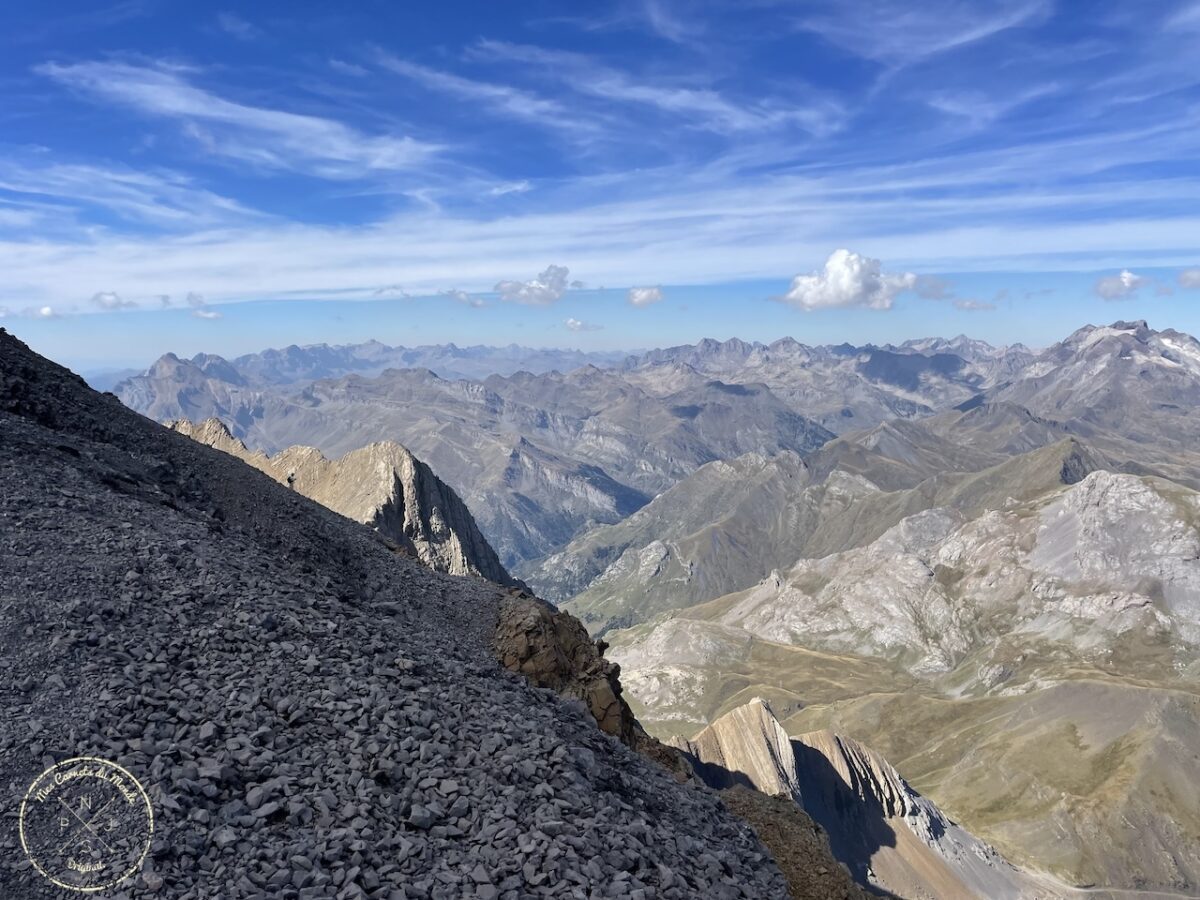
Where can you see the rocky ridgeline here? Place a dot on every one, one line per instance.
(382, 485)
(312, 714)
(888, 835)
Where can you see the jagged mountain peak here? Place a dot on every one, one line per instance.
(381, 485)
(747, 746)
(887, 834)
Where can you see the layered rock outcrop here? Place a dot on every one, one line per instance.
(553, 650)
(889, 836)
(382, 485)
(746, 746)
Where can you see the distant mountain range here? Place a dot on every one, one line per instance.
(983, 562)
(543, 444)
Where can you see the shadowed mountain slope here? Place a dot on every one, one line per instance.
(889, 836)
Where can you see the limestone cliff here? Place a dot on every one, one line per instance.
(888, 835)
(746, 746)
(382, 485)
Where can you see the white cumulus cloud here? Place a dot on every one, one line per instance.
(200, 308)
(1190, 278)
(644, 296)
(848, 280)
(112, 300)
(463, 297)
(1118, 287)
(547, 288)
(29, 312)
(577, 325)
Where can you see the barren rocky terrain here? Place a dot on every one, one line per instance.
(892, 838)
(312, 714)
(979, 561)
(1033, 669)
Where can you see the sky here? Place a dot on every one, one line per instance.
(187, 177)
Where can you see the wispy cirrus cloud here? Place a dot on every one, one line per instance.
(969, 304)
(271, 138)
(497, 99)
(391, 292)
(898, 31)
(1190, 279)
(668, 23)
(510, 187)
(700, 107)
(236, 26)
(154, 196)
(348, 68)
(981, 109)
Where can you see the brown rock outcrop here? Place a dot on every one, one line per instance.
(553, 650)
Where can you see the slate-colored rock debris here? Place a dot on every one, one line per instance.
(312, 715)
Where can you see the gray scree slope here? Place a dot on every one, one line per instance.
(312, 714)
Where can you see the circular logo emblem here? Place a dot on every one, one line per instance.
(86, 824)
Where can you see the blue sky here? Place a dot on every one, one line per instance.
(192, 176)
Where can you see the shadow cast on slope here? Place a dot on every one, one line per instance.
(856, 828)
(855, 821)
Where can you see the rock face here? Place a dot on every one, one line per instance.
(1124, 376)
(553, 650)
(1044, 652)
(312, 714)
(746, 746)
(888, 835)
(675, 553)
(381, 485)
(1089, 567)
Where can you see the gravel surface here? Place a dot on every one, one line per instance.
(311, 714)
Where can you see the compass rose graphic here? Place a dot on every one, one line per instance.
(86, 824)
